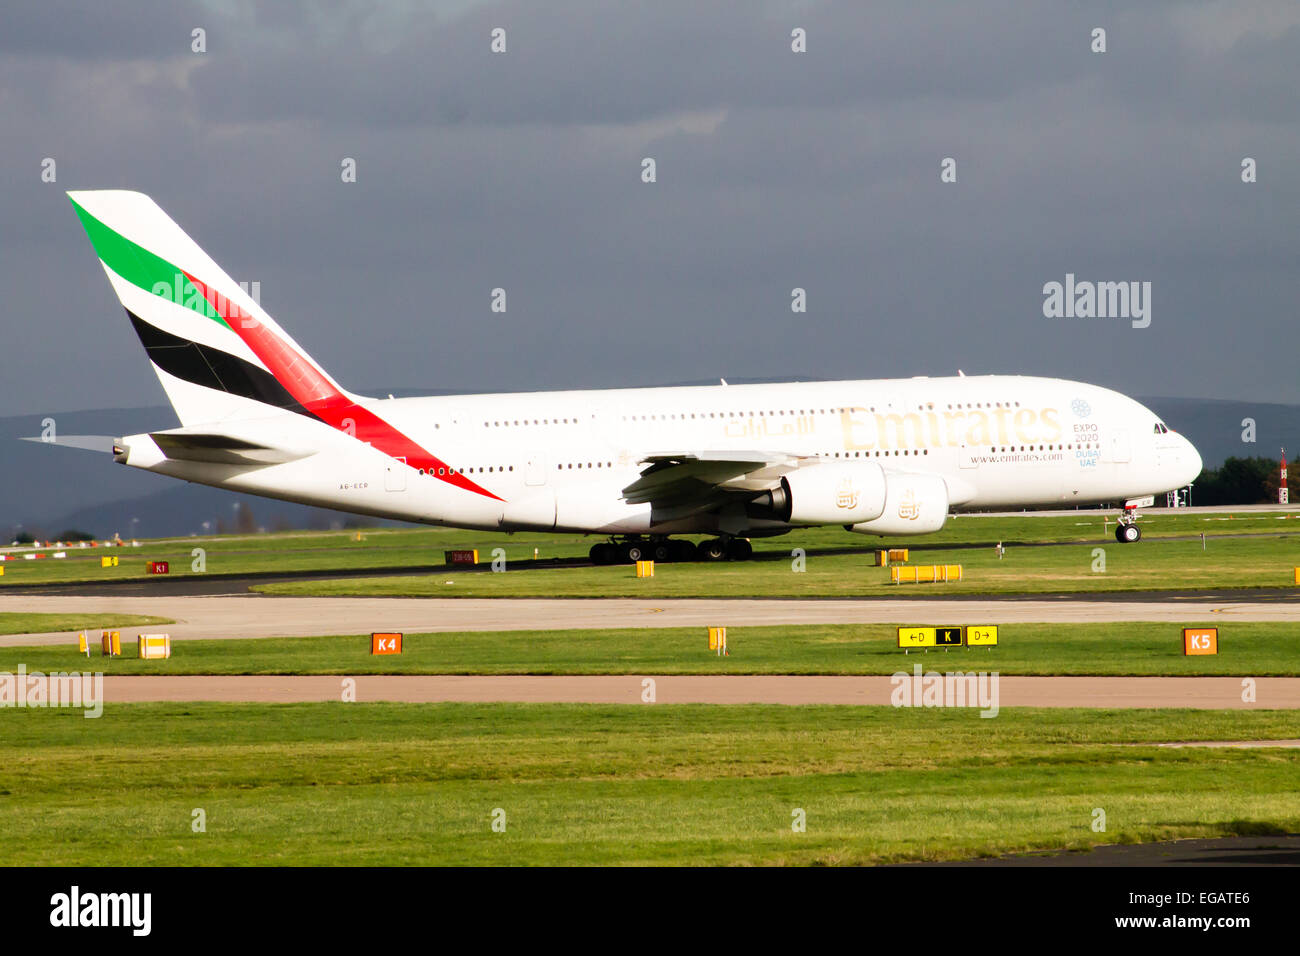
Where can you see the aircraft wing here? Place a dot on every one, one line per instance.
(703, 478)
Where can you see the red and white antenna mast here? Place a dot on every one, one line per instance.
(1281, 485)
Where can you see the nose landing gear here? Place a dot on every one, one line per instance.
(1127, 530)
(1127, 533)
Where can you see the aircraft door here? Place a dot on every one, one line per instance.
(395, 474)
(535, 469)
(1119, 447)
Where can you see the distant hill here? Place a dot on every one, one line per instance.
(39, 482)
(46, 489)
(183, 509)
(51, 489)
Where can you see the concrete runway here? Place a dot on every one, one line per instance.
(247, 616)
(1206, 693)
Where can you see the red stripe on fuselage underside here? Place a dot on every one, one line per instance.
(311, 389)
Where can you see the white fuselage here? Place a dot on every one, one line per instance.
(560, 460)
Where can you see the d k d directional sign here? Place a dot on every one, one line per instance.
(981, 635)
(947, 637)
(909, 637)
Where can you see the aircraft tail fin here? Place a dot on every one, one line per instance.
(213, 347)
(219, 356)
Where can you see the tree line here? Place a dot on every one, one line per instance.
(1238, 481)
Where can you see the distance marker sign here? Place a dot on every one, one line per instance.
(1200, 640)
(385, 642)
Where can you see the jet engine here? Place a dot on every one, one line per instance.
(825, 493)
(914, 504)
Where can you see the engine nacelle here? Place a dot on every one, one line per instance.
(914, 504)
(825, 493)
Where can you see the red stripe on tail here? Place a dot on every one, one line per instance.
(311, 389)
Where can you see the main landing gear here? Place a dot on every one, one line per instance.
(665, 550)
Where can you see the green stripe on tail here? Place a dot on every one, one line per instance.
(140, 267)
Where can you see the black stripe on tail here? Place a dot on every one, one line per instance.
(212, 368)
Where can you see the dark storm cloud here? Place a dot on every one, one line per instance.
(93, 31)
(570, 64)
(776, 170)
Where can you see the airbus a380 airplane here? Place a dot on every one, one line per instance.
(880, 457)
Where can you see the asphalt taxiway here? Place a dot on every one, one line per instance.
(252, 616)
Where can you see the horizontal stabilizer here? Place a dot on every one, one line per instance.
(221, 449)
(103, 443)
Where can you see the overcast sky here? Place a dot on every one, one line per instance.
(775, 169)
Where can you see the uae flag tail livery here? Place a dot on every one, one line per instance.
(224, 363)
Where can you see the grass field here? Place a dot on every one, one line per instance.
(22, 623)
(386, 784)
(1225, 562)
(837, 562)
(1255, 649)
(394, 784)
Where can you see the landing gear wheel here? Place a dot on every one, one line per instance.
(634, 551)
(1127, 533)
(603, 553)
(739, 549)
(663, 552)
(683, 550)
(715, 549)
